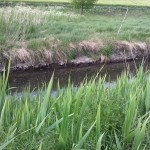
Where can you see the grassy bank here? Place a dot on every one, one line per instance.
(59, 34)
(91, 116)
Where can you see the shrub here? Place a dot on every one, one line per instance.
(108, 50)
(83, 4)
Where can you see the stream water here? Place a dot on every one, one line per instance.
(19, 80)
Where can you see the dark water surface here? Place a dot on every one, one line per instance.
(21, 79)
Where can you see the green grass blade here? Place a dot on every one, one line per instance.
(99, 143)
(98, 122)
(55, 124)
(44, 105)
(40, 147)
(117, 142)
(4, 145)
(83, 139)
(139, 137)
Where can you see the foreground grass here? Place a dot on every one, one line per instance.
(105, 2)
(91, 116)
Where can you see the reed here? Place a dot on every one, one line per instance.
(91, 116)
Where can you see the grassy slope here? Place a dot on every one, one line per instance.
(23, 27)
(107, 2)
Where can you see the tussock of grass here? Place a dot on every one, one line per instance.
(129, 46)
(86, 117)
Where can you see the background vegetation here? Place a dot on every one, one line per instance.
(39, 28)
(105, 2)
(93, 116)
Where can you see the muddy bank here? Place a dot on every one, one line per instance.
(83, 53)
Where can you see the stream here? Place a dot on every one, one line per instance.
(19, 80)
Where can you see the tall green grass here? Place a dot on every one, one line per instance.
(92, 116)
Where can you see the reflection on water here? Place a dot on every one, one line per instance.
(36, 78)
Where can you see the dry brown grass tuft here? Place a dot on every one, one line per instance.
(55, 53)
(48, 55)
(141, 47)
(124, 46)
(88, 46)
(131, 46)
(20, 56)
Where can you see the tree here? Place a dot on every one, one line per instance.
(83, 4)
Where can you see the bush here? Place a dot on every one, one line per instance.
(83, 4)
